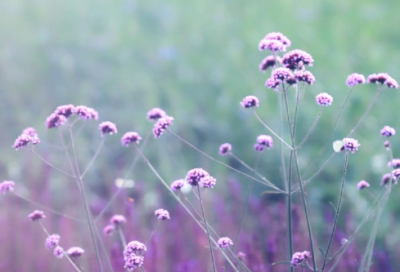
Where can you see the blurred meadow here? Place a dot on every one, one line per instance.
(196, 60)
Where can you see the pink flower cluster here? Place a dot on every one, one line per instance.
(263, 142)
(274, 42)
(224, 242)
(198, 176)
(130, 137)
(132, 255)
(299, 257)
(224, 149)
(162, 214)
(384, 79)
(36, 215)
(28, 135)
(107, 128)
(350, 145)
(6, 185)
(161, 125)
(250, 101)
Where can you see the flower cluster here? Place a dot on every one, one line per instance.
(350, 145)
(58, 252)
(224, 242)
(384, 79)
(224, 149)
(386, 179)
(250, 101)
(323, 99)
(299, 257)
(55, 120)
(177, 184)
(387, 131)
(36, 215)
(263, 141)
(65, 110)
(395, 163)
(6, 185)
(161, 125)
(268, 62)
(304, 76)
(107, 128)
(296, 59)
(28, 135)
(130, 137)
(355, 79)
(155, 114)
(272, 83)
(132, 255)
(281, 74)
(162, 214)
(274, 41)
(52, 241)
(362, 184)
(198, 176)
(86, 113)
(117, 219)
(108, 229)
(75, 252)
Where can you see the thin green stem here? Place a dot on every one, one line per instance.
(52, 166)
(94, 158)
(121, 236)
(311, 129)
(153, 232)
(289, 209)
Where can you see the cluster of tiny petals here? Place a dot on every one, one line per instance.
(117, 219)
(58, 252)
(299, 257)
(355, 79)
(362, 184)
(23, 140)
(279, 37)
(273, 83)
(250, 101)
(36, 215)
(194, 176)
(86, 113)
(75, 251)
(268, 62)
(6, 185)
(207, 182)
(161, 125)
(52, 241)
(224, 242)
(391, 83)
(387, 177)
(155, 114)
(383, 78)
(55, 120)
(224, 149)
(350, 145)
(241, 256)
(271, 45)
(107, 128)
(266, 141)
(387, 131)
(395, 163)
(396, 173)
(281, 73)
(65, 110)
(387, 145)
(257, 147)
(130, 137)
(323, 99)
(133, 262)
(162, 214)
(304, 76)
(296, 59)
(292, 80)
(177, 184)
(108, 229)
(30, 131)
(134, 248)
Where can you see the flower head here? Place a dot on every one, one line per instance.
(387, 131)
(86, 113)
(266, 141)
(23, 140)
(177, 184)
(250, 101)
(350, 144)
(52, 241)
(65, 110)
(30, 131)
(117, 219)
(155, 114)
(304, 76)
(281, 74)
(55, 120)
(268, 62)
(362, 184)
(271, 45)
(207, 182)
(257, 147)
(299, 257)
(162, 214)
(379, 78)
(272, 83)
(107, 128)
(130, 137)
(161, 125)
(134, 248)
(75, 252)
(395, 163)
(36, 215)
(355, 79)
(274, 36)
(224, 242)
(194, 176)
(391, 83)
(224, 149)
(386, 179)
(296, 59)
(241, 256)
(387, 145)
(58, 252)
(323, 99)
(134, 262)
(396, 173)
(6, 185)
(108, 229)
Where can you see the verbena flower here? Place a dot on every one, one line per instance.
(161, 125)
(177, 184)
(224, 242)
(134, 248)
(299, 257)
(65, 110)
(266, 141)
(279, 37)
(133, 262)
(75, 252)
(155, 113)
(384, 79)
(117, 219)
(30, 131)
(291, 80)
(350, 145)
(108, 229)
(23, 140)
(386, 179)
(396, 173)
(107, 128)
(52, 241)
(55, 120)
(6, 185)
(250, 101)
(387, 131)
(272, 83)
(162, 214)
(386, 144)
(296, 59)
(395, 163)
(224, 149)
(257, 147)
(362, 184)
(58, 252)
(281, 74)
(323, 99)
(268, 62)
(36, 215)
(130, 137)
(194, 176)
(86, 113)
(304, 76)
(355, 79)
(241, 256)
(391, 83)
(207, 182)
(271, 45)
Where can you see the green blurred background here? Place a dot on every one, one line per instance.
(197, 60)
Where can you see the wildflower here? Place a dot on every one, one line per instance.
(266, 141)
(296, 59)
(155, 114)
(272, 83)
(249, 102)
(304, 76)
(395, 163)
(55, 120)
(396, 173)
(161, 125)
(224, 242)
(299, 257)
(207, 182)
(108, 229)
(362, 184)
(277, 36)
(391, 83)
(36, 215)
(162, 214)
(355, 79)
(6, 185)
(107, 127)
(177, 184)
(379, 78)
(387, 131)
(323, 99)
(30, 131)
(268, 62)
(117, 219)
(241, 256)
(291, 80)
(386, 179)
(134, 262)
(23, 140)
(75, 252)
(194, 176)
(65, 110)
(281, 74)
(224, 149)
(271, 45)
(387, 145)
(52, 241)
(130, 137)
(134, 248)
(86, 113)
(58, 252)
(350, 144)
(257, 147)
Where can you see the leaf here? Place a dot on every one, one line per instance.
(280, 263)
(337, 145)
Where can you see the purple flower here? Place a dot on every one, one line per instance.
(108, 229)
(134, 248)
(194, 176)
(281, 74)
(58, 252)
(386, 179)
(55, 120)
(161, 125)
(355, 79)
(386, 144)
(224, 242)
(155, 114)
(396, 173)
(134, 262)
(391, 83)
(23, 140)
(271, 45)
(383, 78)
(250, 101)
(207, 182)
(130, 137)
(107, 127)
(75, 252)
(257, 147)
(30, 131)
(86, 113)
(117, 219)
(350, 144)
(304, 76)
(177, 184)
(36, 215)
(268, 62)
(299, 257)
(387, 131)
(224, 149)
(296, 59)
(362, 184)
(162, 214)
(323, 99)
(52, 241)
(272, 83)
(266, 141)
(395, 163)
(241, 256)
(65, 110)
(291, 80)
(6, 185)
(277, 36)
